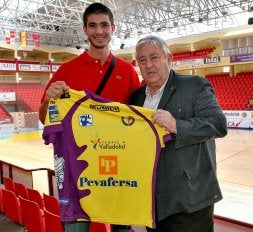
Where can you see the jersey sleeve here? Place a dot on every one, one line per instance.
(52, 123)
(56, 112)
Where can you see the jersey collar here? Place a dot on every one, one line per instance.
(88, 59)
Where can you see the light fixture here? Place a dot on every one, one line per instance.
(24, 53)
(250, 21)
(200, 20)
(175, 23)
(122, 45)
(226, 69)
(250, 8)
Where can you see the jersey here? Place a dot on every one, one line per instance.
(106, 156)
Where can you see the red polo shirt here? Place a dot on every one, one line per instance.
(85, 72)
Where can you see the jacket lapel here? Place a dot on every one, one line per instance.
(168, 90)
(142, 98)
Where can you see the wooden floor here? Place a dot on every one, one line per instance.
(234, 167)
(235, 174)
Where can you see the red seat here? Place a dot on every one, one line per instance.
(1, 201)
(9, 184)
(32, 216)
(52, 222)
(21, 190)
(51, 203)
(11, 206)
(35, 196)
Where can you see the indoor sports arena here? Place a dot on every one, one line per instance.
(39, 38)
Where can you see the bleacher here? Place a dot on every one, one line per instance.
(233, 93)
(28, 94)
(27, 208)
(3, 113)
(188, 55)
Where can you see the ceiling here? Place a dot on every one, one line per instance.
(59, 22)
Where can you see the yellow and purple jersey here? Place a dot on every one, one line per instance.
(105, 157)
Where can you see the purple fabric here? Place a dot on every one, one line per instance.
(62, 137)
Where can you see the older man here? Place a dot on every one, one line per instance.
(186, 185)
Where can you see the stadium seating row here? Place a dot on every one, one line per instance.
(28, 208)
(233, 93)
(3, 113)
(186, 55)
(27, 93)
(35, 212)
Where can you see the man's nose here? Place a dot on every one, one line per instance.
(149, 63)
(99, 29)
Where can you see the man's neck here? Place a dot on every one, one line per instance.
(100, 54)
(155, 87)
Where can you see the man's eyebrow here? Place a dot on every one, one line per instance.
(139, 57)
(103, 22)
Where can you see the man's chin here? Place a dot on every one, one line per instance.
(99, 46)
(152, 78)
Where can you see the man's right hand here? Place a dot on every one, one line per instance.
(55, 90)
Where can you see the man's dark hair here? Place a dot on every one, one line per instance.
(97, 8)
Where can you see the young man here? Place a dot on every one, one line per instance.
(87, 71)
(186, 182)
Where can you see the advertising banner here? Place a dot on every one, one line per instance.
(239, 119)
(241, 58)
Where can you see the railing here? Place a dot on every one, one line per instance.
(234, 222)
(51, 186)
(11, 168)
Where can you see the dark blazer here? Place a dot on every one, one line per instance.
(186, 175)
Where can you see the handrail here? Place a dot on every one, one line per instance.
(50, 173)
(234, 221)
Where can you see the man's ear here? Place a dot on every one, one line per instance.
(113, 27)
(169, 59)
(85, 29)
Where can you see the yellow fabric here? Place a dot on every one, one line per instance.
(121, 153)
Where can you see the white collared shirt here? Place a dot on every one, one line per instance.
(152, 102)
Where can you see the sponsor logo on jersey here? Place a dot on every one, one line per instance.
(53, 113)
(105, 108)
(64, 201)
(99, 143)
(85, 119)
(109, 182)
(128, 120)
(108, 165)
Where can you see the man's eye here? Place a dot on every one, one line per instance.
(105, 25)
(154, 57)
(142, 61)
(92, 25)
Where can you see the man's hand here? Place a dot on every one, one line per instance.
(55, 90)
(165, 119)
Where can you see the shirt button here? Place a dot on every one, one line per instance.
(96, 61)
(100, 71)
